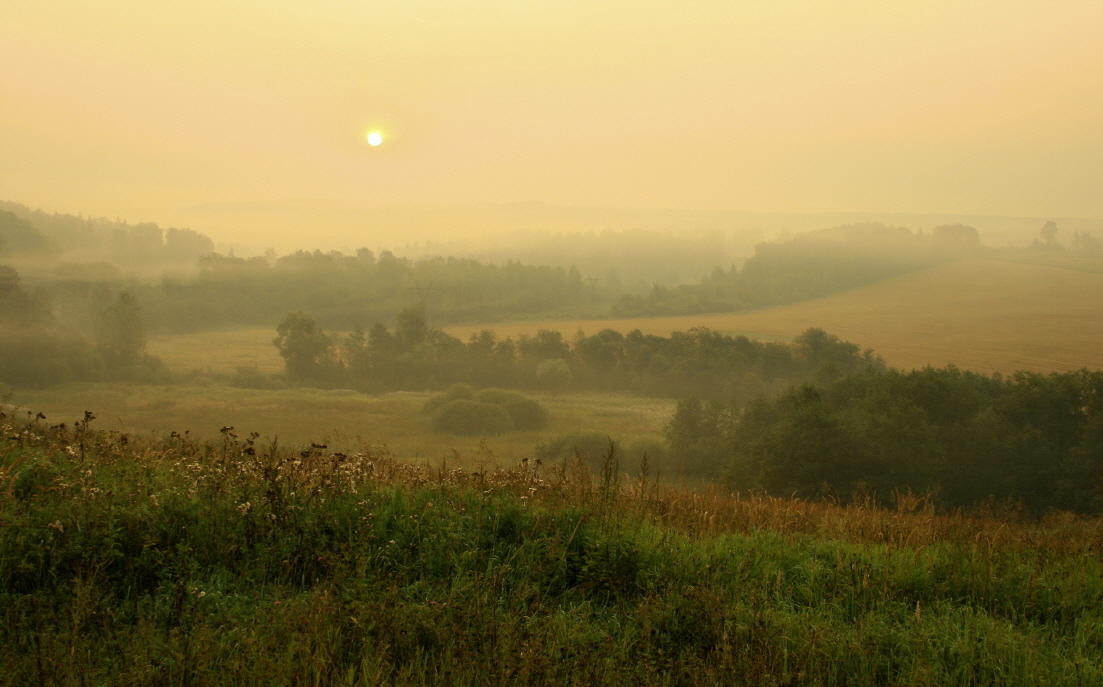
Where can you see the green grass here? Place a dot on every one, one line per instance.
(345, 419)
(131, 560)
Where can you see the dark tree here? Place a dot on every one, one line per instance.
(306, 349)
(121, 338)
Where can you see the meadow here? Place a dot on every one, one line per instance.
(343, 419)
(142, 560)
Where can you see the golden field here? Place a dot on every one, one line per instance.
(221, 352)
(983, 315)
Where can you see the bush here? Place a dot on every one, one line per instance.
(471, 418)
(521, 413)
(525, 413)
(456, 392)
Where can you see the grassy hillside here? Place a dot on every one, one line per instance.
(130, 560)
(983, 315)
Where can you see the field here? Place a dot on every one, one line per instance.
(345, 419)
(220, 352)
(983, 315)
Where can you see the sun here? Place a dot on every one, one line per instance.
(375, 138)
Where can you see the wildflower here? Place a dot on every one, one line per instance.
(56, 524)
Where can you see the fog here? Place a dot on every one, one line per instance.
(247, 120)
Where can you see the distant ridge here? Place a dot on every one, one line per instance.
(286, 224)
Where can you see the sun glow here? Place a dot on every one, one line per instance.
(375, 138)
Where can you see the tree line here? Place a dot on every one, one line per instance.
(415, 356)
(960, 436)
(36, 349)
(144, 247)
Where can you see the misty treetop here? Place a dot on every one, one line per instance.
(20, 239)
(145, 247)
(415, 356)
(37, 349)
(808, 266)
(341, 290)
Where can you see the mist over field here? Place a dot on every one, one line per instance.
(544, 343)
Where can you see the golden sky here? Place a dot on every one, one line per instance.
(115, 106)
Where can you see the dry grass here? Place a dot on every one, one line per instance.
(221, 352)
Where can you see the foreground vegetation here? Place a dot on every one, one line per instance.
(133, 560)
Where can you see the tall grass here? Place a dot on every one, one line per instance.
(137, 560)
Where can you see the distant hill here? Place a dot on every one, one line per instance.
(20, 239)
(477, 229)
(144, 247)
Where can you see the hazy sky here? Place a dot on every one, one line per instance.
(116, 106)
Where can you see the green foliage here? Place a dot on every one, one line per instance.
(305, 348)
(129, 560)
(471, 418)
(462, 411)
(699, 362)
(962, 436)
(456, 392)
(525, 413)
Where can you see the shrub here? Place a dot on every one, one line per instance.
(526, 413)
(520, 412)
(469, 418)
(456, 392)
